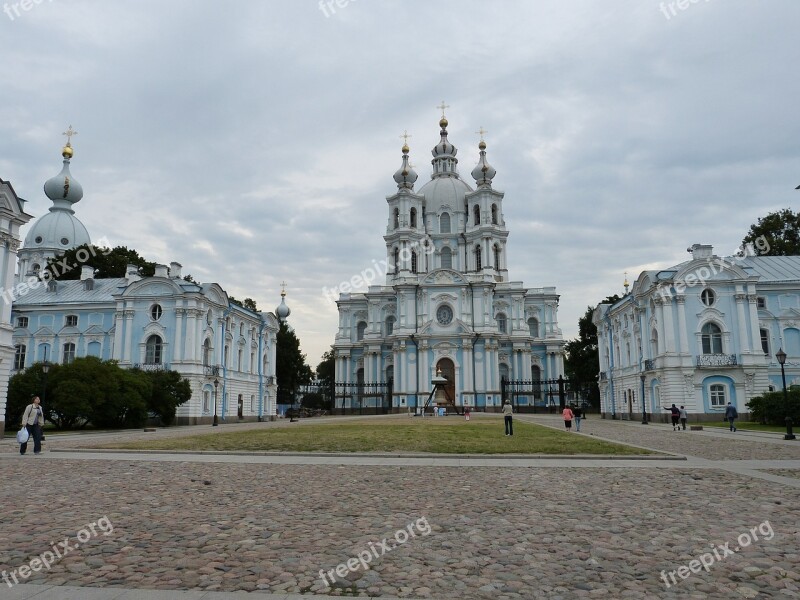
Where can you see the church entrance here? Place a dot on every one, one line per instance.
(448, 371)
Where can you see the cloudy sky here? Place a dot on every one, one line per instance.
(255, 141)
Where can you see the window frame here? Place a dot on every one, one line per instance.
(70, 320)
(20, 356)
(720, 391)
(68, 353)
(708, 297)
(154, 350)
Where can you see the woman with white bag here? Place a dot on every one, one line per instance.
(33, 420)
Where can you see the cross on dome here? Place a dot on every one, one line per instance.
(69, 133)
(442, 107)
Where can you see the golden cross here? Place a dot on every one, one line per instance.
(480, 132)
(443, 106)
(283, 287)
(405, 136)
(69, 133)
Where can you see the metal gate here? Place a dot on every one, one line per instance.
(545, 395)
(362, 398)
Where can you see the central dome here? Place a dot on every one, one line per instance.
(58, 229)
(445, 191)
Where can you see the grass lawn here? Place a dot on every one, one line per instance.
(436, 435)
(752, 426)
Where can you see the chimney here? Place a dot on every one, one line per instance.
(132, 273)
(161, 271)
(701, 251)
(175, 270)
(87, 272)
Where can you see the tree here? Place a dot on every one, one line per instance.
(169, 391)
(291, 369)
(107, 262)
(582, 361)
(22, 387)
(777, 234)
(247, 303)
(771, 408)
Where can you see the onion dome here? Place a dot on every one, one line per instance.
(405, 175)
(444, 148)
(283, 311)
(483, 173)
(62, 189)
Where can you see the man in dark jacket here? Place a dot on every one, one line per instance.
(731, 415)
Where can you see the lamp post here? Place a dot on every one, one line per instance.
(216, 385)
(644, 403)
(781, 356)
(45, 369)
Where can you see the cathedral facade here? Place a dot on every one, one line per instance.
(448, 306)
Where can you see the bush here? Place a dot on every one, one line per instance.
(314, 400)
(772, 409)
(169, 391)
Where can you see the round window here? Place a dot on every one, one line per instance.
(444, 314)
(38, 239)
(156, 312)
(708, 297)
(64, 241)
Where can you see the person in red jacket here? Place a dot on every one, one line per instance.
(568, 416)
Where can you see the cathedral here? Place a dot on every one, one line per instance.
(448, 309)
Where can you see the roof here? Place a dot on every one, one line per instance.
(772, 269)
(73, 291)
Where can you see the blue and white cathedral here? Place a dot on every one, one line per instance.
(448, 306)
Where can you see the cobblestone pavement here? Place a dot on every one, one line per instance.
(507, 533)
(785, 472)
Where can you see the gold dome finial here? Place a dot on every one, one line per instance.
(67, 151)
(482, 144)
(283, 289)
(443, 120)
(405, 137)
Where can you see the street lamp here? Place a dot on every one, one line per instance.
(45, 369)
(781, 356)
(216, 385)
(644, 404)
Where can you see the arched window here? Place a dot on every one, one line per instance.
(206, 401)
(497, 257)
(447, 258)
(153, 350)
(207, 353)
(791, 338)
(413, 261)
(360, 329)
(494, 214)
(444, 223)
(389, 325)
(654, 343)
(396, 260)
(69, 353)
(711, 337)
(94, 349)
(501, 322)
(396, 218)
(478, 265)
(533, 325)
(35, 268)
(225, 356)
(240, 365)
(413, 217)
(765, 340)
(476, 214)
(716, 393)
(20, 350)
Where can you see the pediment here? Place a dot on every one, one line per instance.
(443, 277)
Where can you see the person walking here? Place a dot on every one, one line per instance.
(684, 417)
(578, 412)
(731, 415)
(568, 416)
(675, 412)
(33, 420)
(508, 410)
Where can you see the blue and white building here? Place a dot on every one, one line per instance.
(700, 334)
(227, 352)
(448, 304)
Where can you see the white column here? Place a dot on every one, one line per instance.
(178, 346)
(684, 343)
(127, 351)
(754, 328)
(669, 325)
(119, 344)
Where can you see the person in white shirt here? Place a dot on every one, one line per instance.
(33, 420)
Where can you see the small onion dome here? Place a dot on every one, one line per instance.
(283, 311)
(444, 148)
(405, 176)
(483, 173)
(63, 187)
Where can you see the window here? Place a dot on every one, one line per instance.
(206, 401)
(389, 325)
(360, 329)
(478, 265)
(765, 340)
(225, 356)
(711, 336)
(447, 258)
(717, 394)
(71, 320)
(69, 353)
(207, 353)
(396, 260)
(444, 223)
(654, 343)
(413, 262)
(761, 302)
(396, 218)
(252, 362)
(252, 403)
(156, 312)
(241, 329)
(153, 350)
(476, 215)
(20, 350)
(494, 214)
(22, 321)
(35, 268)
(413, 217)
(501, 322)
(708, 297)
(628, 352)
(533, 325)
(497, 257)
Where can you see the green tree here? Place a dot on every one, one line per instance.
(168, 391)
(777, 234)
(22, 387)
(771, 408)
(326, 373)
(247, 303)
(291, 369)
(124, 399)
(313, 400)
(582, 362)
(107, 262)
